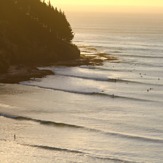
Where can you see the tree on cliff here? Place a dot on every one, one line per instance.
(32, 31)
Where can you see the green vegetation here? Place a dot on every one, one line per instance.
(34, 32)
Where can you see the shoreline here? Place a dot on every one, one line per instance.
(19, 73)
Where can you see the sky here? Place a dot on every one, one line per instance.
(146, 6)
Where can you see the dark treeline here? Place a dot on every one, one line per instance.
(34, 32)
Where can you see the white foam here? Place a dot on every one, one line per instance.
(6, 106)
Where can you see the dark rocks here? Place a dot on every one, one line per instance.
(20, 73)
(17, 74)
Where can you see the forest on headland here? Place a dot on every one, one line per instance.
(34, 32)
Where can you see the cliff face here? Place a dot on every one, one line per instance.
(4, 64)
(33, 32)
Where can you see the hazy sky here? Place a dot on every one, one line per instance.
(110, 5)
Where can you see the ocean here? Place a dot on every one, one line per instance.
(112, 113)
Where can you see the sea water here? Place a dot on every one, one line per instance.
(104, 114)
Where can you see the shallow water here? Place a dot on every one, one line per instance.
(109, 113)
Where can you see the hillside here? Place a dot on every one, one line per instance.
(33, 32)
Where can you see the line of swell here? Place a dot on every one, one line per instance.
(49, 123)
(105, 69)
(106, 79)
(76, 152)
(54, 148)
(95, 94)
(73, 151)
(57, 124)
(101, 79)
(140, 56)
